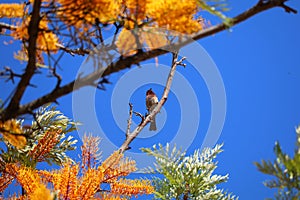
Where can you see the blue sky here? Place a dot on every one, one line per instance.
(259, 64)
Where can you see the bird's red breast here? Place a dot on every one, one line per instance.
(151, 99)
(151, 102)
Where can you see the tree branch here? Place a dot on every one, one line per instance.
(131, 136)
(33, 30)
(129, 120)
(7, 27)
(73, 52)
(117, 66)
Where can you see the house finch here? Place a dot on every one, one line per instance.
(151, 102)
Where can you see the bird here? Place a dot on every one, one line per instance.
(151, 102)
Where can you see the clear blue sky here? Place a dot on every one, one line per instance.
(259, 64)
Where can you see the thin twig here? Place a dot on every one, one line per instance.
(73, 52)
(7, 27)
(58, 77)
(140, 115)
(10, 73)
(131, 136)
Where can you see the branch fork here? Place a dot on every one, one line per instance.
(130, 136)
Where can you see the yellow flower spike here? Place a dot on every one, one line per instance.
(89, 184)
(113, 160)
(127, 43)
(78, 13)
(65, 181)
(46, 41)
(153, 38)
(46, 176)
(128, 24)
(90, 152)
(5, 180)
(137, 9)
(176, 15)
(45, 145)
(12, 132)
(13, 10)
(28, 179)
(41, 193)
(21, 31)
(132, 187)
(127, 166)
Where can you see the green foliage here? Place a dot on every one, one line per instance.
(216, 7)
(286, 170)
(187, 177)
(40, 136)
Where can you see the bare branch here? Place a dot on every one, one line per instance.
(180, 62)
(7, 27)
(57, 76)
(10, 74)
(73, 52)
(130, 137)
(140, 115)
(102, 82)
(129, 119)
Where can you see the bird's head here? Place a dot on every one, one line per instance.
(150, 92)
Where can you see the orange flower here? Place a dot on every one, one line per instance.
(45, 144)
(12, 10)
(132, 187)
(79, 13)
(46, 41)
(90, 151)
(65, 181)
(12, 132)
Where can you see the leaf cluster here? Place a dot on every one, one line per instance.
(217, 8)
(187, 177)
(45, 140)
(285, 169)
